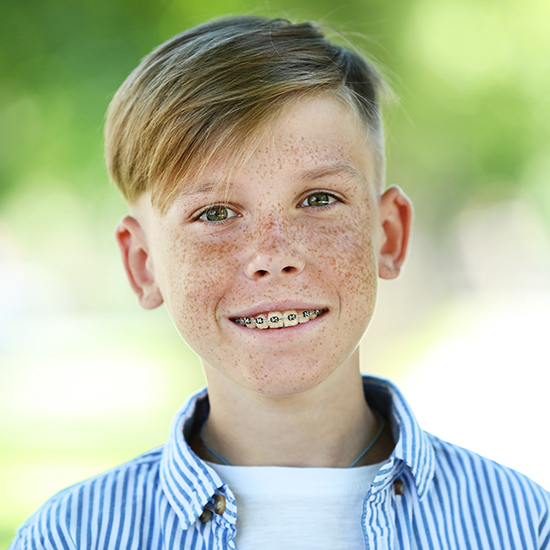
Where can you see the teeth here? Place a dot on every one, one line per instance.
(261, 321)
(290, 318)
(249, 322)
(304, 316)
(276, 319)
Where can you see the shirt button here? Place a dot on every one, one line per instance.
(399, 487)
(205, 516)
(219, 505)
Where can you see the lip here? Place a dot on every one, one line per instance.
(266, 307)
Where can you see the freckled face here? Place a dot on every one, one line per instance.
(299, 231)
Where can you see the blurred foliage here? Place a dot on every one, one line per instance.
(472, 76)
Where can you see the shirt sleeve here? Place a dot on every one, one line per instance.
(41, 535)
(544, 531)
(17, 543)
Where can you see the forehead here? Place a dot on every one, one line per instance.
(311, 139)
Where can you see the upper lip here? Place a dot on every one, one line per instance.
(267, 307)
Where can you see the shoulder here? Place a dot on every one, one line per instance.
(63, 518)
(479, 479)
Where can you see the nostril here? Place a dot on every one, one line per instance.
(262, 265)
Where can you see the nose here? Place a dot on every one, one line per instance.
(276, 254)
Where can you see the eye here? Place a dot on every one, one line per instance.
(217, 213)
(319, 199)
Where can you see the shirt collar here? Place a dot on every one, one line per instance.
(413, 446)
(189, 484)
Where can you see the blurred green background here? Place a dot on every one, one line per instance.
(88, 380)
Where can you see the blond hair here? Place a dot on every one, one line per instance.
(212, 89)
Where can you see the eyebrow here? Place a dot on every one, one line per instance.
(197, 189)
(330, 170)
(200, 189)
(206, 187)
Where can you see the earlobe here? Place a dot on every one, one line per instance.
(133, 248)
(396, 214)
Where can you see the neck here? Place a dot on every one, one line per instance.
(327, 426)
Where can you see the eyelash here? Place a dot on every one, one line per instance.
(212, 207)
(332, 199)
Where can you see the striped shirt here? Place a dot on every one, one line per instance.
(428, 495)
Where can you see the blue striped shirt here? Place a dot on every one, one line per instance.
(428, 495)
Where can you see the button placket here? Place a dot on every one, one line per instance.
(218, 507)
(206, 516)
(379, 518)
(219, 504)
(399, 487)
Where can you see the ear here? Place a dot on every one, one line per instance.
(396, 214)
(137, 262)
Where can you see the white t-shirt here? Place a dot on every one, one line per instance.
(297, 508)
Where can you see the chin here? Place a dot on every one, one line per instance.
(284, 384)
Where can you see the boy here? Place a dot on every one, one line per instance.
(251, 154)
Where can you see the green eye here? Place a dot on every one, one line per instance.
(217, 213)
(318, 200)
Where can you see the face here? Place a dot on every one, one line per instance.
(299, 231)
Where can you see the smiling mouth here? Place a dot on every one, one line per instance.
(277, 319)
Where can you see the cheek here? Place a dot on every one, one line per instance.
(199, 272)
(347, 251)
(348, 260)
